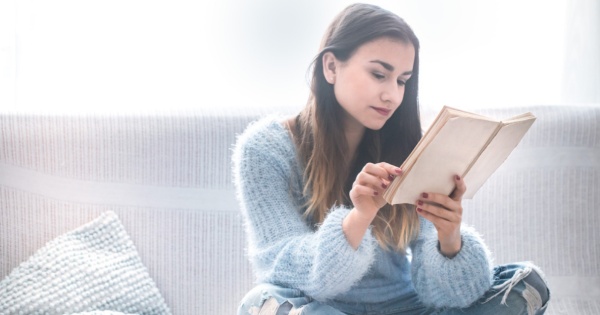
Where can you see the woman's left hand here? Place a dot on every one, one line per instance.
(445, 212)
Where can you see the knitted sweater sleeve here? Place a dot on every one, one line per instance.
(282, 248)
(450, 282)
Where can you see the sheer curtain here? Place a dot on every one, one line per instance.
(582, 52)
(84, 55)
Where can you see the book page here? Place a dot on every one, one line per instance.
(525, 116)
(497, 151)
(451, 152)
(455, 112)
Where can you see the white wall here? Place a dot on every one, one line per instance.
(85, 55)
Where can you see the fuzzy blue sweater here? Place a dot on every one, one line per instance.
(284, 250)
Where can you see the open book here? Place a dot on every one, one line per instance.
(458, 142)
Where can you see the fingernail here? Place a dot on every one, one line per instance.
(376, 193)
(391, 177)
(420, 203)
(425, 195)
(419, 209)
(457, 177)
(398, 170)
(384, 185)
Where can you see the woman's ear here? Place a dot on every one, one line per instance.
(329, 67)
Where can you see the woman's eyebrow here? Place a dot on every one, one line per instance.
(389, 67)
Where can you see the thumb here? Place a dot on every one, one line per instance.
(459, 190)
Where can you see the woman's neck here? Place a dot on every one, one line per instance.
(354, 134)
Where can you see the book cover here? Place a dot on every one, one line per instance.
(457, 142)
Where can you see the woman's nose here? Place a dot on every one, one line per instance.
(393, 94)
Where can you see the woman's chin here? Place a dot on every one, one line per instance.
(375, 125)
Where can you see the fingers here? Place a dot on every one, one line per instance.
(433, 206)
(440, 201)
(370, 184)
(445, 207)
(445, 212)
(451, 202)
(440, 222)
(391, 169)
(358, 190)
(375, 177)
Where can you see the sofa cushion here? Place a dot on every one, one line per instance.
(92, 268)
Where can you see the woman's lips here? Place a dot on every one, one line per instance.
(381, 110)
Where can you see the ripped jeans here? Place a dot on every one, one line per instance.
(517, 289)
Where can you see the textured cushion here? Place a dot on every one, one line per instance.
(93, 268)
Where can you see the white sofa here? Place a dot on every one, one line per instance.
(168, 177)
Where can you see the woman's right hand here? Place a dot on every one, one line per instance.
(370, 184)
(367, 196)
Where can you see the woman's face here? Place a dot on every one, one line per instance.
(370, 85)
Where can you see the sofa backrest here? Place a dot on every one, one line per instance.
(542, 203)
(168, 177)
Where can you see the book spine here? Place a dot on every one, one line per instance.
(490, 139)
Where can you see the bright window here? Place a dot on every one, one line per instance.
(82, 55)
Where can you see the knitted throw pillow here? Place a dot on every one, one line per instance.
(92, 268)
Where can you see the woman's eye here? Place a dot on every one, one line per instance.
(378, 75)
(401, 83)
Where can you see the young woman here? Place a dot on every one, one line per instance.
(322, 240)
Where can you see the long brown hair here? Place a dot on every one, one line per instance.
(329, 171)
